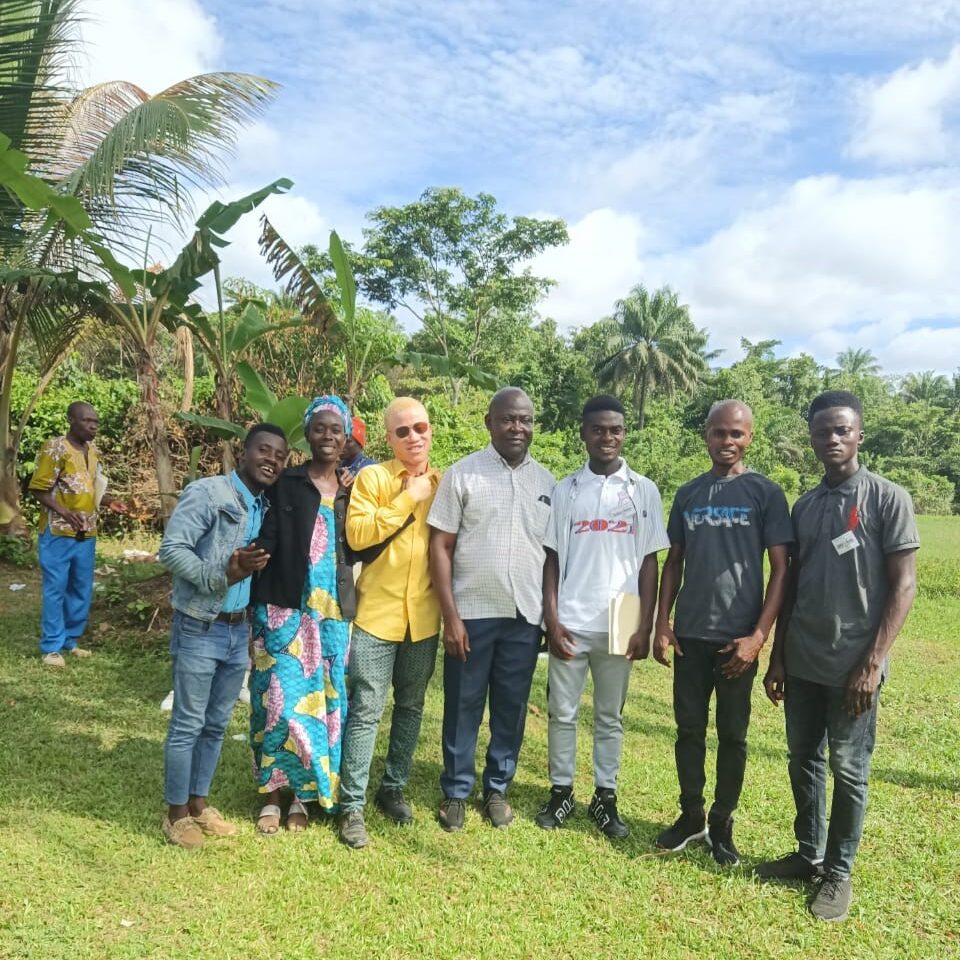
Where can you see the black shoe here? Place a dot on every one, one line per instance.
(791, 867)
(603, 809)
(558, 807)
(689, 826)
(720, 838)
(832, 902)
(393, 806)
(353, 831)
(497, 810)
(452, 812)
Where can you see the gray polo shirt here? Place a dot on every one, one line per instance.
(499, 515)
(841, 595)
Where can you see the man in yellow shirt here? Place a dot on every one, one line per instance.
(69, 483)
(398, 618)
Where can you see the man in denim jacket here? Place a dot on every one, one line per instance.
(209, 548)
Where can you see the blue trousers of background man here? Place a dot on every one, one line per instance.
(67, 565)
(501, 662)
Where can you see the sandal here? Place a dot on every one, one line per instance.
(297, 809)
(268, 820)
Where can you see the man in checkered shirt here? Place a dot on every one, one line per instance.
(486, 559)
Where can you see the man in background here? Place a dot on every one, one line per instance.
(70, 485)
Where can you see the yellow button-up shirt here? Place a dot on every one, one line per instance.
(77, 482)
(394, 592)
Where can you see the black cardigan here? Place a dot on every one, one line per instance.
(286, 533)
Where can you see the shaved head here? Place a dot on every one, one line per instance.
(79, 408)
(730, 406)
(507, 395)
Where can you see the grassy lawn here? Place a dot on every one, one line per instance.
(89, 876)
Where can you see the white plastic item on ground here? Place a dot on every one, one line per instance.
(17, 586)
(167, 705)
(137, 555)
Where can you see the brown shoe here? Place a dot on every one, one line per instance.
(80, 652)
(53, 660)
(183, 833)
(211, 822)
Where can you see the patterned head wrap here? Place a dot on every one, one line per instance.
(332, 402)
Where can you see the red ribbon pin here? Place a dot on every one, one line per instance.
(854, 520)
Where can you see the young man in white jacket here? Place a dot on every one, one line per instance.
(605, 528)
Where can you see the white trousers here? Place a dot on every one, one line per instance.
(566, 680)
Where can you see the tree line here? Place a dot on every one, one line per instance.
(85, 173)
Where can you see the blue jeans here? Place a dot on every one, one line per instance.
(67, 566)
(816, 719)
(501, 662)
(209, 660)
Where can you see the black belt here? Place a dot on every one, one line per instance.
(232, 618)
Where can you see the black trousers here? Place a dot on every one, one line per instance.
(696, 675)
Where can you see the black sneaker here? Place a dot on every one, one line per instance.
(558, 807)
(689, 826)
(720, 838)
(791, 867)
(832, 902)
(353, 831)
(393, 806)
(603, 809)
(497, 810)
(452, 812)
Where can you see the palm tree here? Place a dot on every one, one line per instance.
(932, 387)
(858, 362)
(128, 158)
(654, 346)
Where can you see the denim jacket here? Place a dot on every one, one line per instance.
(207, 525)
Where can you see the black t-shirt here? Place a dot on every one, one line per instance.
(724, 525)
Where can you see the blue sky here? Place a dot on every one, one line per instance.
(791, 168)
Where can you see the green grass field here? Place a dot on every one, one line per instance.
(88, 874)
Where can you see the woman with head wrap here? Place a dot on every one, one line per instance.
(303, 601)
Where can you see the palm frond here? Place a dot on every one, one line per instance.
(134, 158)
(300, 285)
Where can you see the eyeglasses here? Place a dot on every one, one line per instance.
(403, 432)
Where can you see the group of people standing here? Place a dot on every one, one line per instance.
(487, 558)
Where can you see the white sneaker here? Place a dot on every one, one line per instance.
(53, 660)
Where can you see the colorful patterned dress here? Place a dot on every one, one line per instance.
(298, 692)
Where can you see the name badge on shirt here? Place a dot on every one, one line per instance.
(845, 543)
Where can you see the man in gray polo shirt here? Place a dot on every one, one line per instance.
(852, 583)
(486, 560)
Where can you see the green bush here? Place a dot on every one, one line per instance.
(932, 493)
(16, 551)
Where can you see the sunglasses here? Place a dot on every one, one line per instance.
(401, 433)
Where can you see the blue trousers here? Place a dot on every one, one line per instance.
(499, 667)
(67, 566)
(816, 719)
(209, 661)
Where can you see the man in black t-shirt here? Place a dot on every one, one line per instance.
(720, 524)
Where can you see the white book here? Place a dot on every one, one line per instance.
(622, 622)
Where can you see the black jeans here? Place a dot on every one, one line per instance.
(695, 677)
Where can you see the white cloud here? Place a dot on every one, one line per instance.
(599, 266)
(830, 263)
(153, 45)
(905, 117)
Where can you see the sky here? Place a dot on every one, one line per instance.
(790, 167)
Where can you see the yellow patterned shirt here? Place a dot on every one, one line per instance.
(75, 482)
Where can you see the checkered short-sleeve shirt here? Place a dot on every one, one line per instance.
(499, 515)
